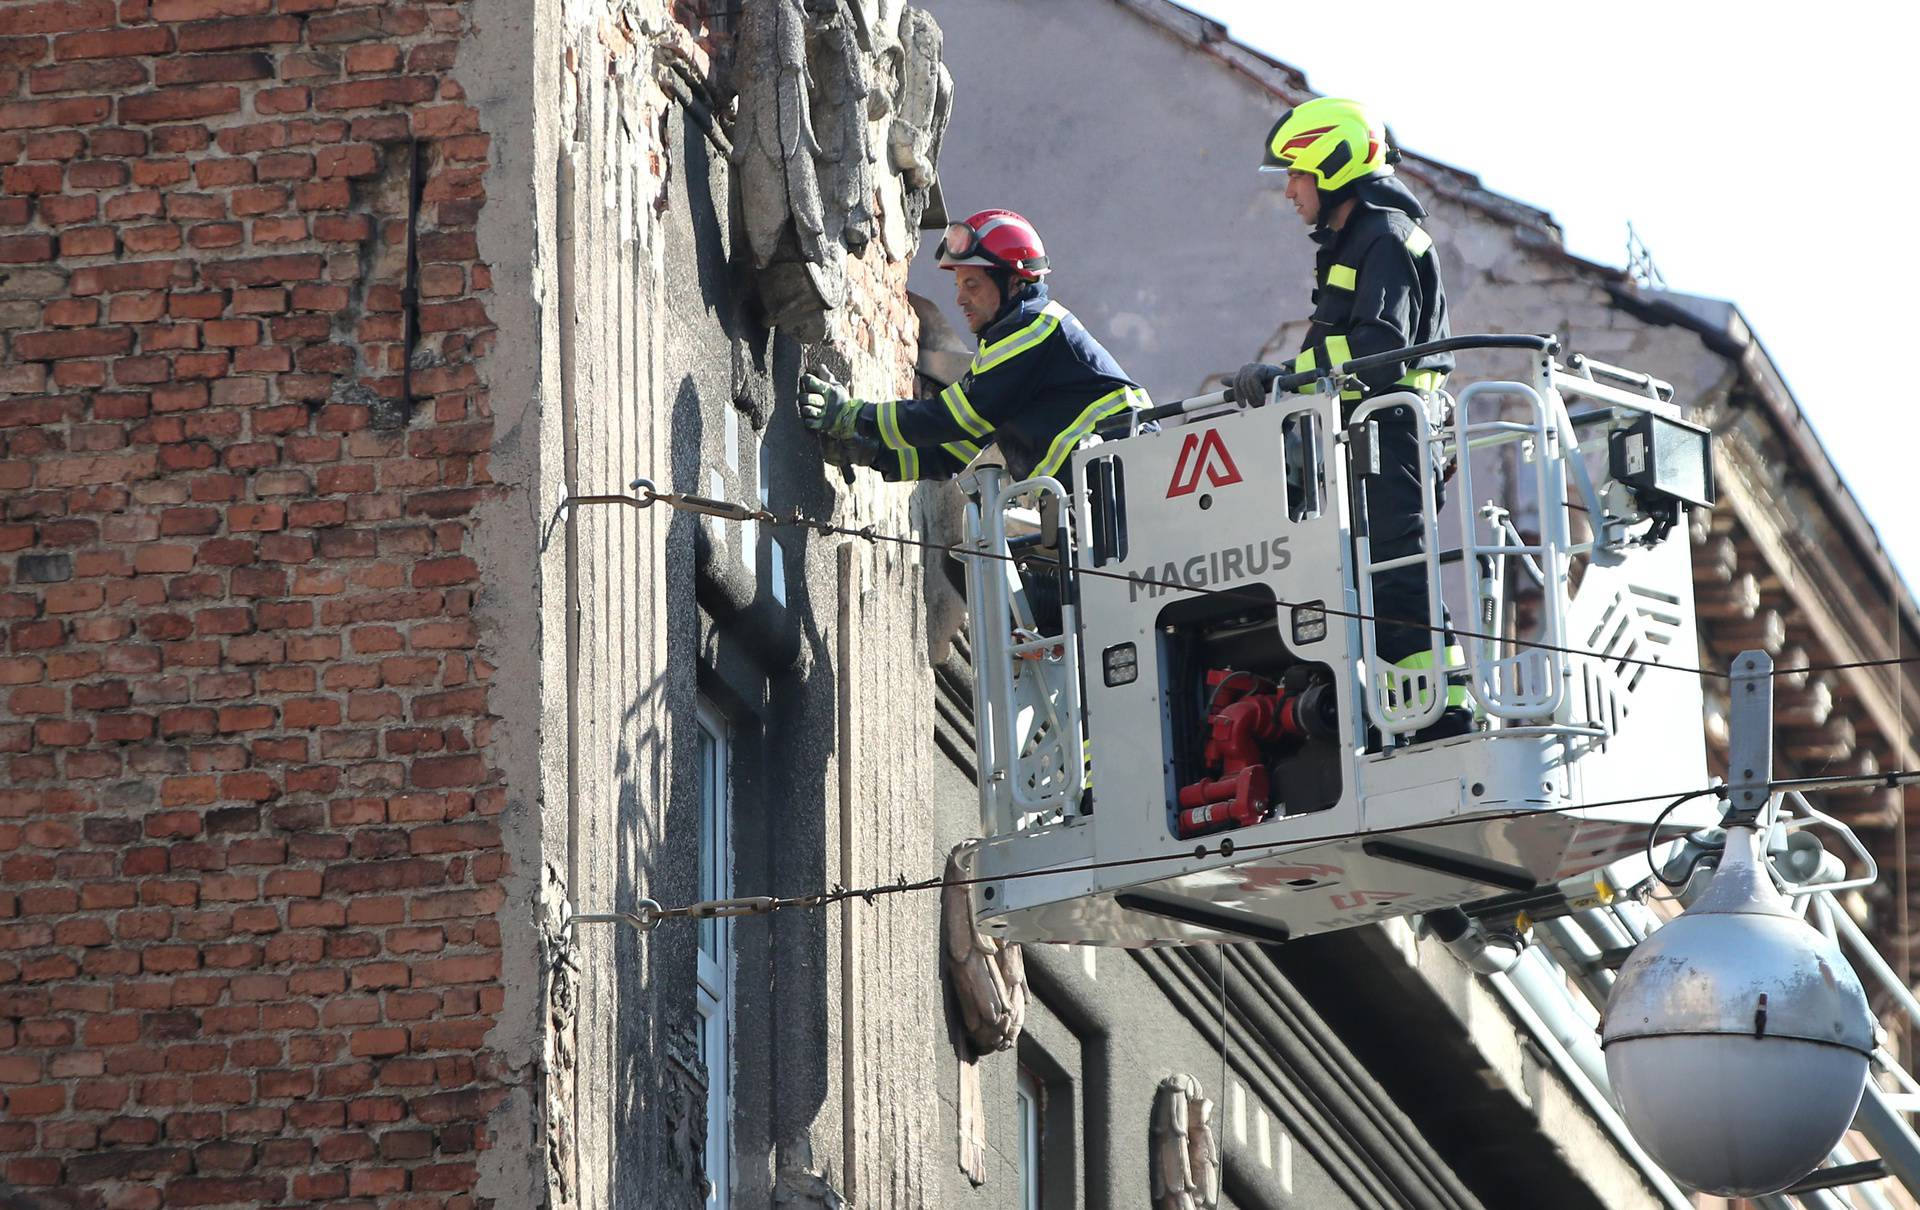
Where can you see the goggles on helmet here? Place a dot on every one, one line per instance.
(961, 242)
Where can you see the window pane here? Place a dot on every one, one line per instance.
(712, 825)
(1028, 1096)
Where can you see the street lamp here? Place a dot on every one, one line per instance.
(1737, 1037)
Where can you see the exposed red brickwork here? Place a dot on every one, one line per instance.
(249, 844)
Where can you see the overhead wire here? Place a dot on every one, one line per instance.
(762, 905)
(731, 511)
(1225, 1042)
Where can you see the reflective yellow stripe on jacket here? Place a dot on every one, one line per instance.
(1338, 349)
(963, 413)
(1010, 346)
(1069, 438)
(886, 414)
(1338, 354)
(1454, 660)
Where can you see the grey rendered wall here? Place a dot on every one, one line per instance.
(666, 371)
(514, 52)
(1135, 158)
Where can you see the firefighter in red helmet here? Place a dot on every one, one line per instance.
(1037, 386)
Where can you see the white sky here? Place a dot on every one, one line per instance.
(1762, 159)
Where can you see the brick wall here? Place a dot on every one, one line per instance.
(249, 853)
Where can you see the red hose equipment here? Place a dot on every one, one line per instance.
(1245, 712)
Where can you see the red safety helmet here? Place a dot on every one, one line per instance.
(999, 238)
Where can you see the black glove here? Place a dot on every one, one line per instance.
(1251, 384)
(850, 451)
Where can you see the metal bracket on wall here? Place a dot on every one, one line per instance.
(642, 920)
(397, 413)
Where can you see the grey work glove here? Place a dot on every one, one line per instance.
(1254, 380)
(825, 406)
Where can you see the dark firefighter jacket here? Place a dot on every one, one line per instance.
(1038, 385)
(1377, 288)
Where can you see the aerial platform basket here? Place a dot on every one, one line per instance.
(1198, 741)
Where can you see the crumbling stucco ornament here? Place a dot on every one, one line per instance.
(813, 79)
(1183, 1158)
(799, 1184)
(989, 977)
(801, 274)
(844, 98)
(922, 103)
(560, 1076)
(562, 1005)
(920, 98)
(684, 1090)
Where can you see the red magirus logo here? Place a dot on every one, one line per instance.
(1202, 452)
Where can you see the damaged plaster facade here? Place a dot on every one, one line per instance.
(704, 216)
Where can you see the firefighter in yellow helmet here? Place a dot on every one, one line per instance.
(1376, 288)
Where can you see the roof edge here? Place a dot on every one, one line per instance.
(1733, 337)
(1288, 84)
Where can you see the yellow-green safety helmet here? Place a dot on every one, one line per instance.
(1332, 138)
